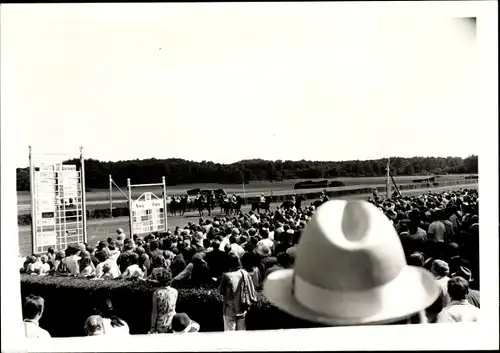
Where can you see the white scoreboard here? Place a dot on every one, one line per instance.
(58, 211)
(148, 214)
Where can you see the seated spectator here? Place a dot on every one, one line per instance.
(123, 260)
(44, 267)
(94, 326)
(181, 323)
(86, 266)
(93, 258)
(112, 324)
(106, 272)
(72, 260)
(114, 270)
(459, 309)
(134, 271)
(114, 252)
(32, 312)
(60, 265)
(51, 256)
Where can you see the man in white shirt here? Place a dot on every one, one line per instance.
(72, 262)
(235, 248)
(104, 258)
(437, 229)
(459, 309)
(33, 310)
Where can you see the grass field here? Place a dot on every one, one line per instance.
(96, 197)
(101, 229)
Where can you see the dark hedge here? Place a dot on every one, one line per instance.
(70, 301)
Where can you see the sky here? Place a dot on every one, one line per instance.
(225, 82)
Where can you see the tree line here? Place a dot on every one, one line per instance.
(179, 171)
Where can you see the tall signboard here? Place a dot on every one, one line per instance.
(58, 204)
(148, 213)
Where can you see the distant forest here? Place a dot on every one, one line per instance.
(180, 171)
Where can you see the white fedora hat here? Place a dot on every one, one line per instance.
(350, 269)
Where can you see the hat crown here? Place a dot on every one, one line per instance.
(349, 246)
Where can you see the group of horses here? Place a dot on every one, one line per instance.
(229, 207)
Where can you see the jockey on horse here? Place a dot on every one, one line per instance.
(324, 197)
(262, 199)
(234, 198)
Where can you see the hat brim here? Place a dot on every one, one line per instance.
(403, 300)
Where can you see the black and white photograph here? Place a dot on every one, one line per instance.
(306, 174)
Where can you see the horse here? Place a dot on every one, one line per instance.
(266, 206)
(204, 204)
(174, 207)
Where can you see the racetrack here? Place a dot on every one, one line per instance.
(97, 199)
(101, 229)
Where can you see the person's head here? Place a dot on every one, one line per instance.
(227, 248)
(232, 239)
(248, 261)
(120, 231)
(94, 326)
(109, 240)
(234, 262)
(416, 259)
(153, 245)
(458, 288)
(128, 247)
(101, 246)
(440, 268)
(181, 323)
(133, 259)
(164, 277)
(84, 262)
(140, 250)
(284, 259)
(106, 268)
(112, 245)
(33, 307)
(50, 250)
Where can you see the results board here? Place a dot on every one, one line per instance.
(148, 214)
(58, 212)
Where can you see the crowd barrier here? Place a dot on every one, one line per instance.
(132, 301)
(25, 219)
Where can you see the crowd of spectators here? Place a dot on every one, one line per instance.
(438, 231)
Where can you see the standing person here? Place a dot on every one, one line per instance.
(238, 294)
(459, 309)
(32, 312)
(120, 236)
(164, 301)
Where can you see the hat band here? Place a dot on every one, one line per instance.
(341, 304)
(188, 327)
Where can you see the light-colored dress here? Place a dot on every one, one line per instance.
(166, 299)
